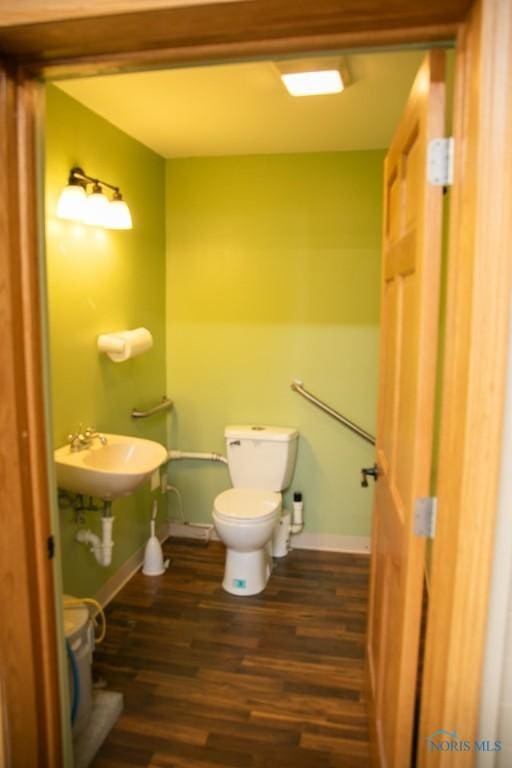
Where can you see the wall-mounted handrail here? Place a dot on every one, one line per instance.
(298, 386)
(165, 405)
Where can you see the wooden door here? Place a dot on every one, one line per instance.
(409, 321)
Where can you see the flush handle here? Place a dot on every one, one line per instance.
(369, 472)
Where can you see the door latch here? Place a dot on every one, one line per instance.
(369, 471)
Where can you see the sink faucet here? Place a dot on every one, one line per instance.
(82, 440)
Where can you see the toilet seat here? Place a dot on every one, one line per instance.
(246, 504)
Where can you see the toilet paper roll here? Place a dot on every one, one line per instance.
(123, 345)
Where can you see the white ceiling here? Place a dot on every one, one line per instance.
(244, 109)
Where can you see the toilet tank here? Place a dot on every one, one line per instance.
(261, 456)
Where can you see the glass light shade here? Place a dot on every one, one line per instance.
(118, 215)
(313, 83)
(96, 209)
(72, 203)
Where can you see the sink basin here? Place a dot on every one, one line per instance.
(108, 471)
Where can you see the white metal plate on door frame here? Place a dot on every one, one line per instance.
(440, 161)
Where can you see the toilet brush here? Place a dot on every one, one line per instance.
(153, 556)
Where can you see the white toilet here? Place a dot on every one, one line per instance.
(261, 461)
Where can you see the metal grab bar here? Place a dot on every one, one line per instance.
(297, 386)
(165, 405)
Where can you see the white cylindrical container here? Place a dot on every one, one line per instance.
(80, 635)
(281, 536)
(298, 509)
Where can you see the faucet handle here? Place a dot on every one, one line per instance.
(91, 432)
(75, 441)
(83, 439)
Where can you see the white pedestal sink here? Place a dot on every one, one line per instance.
(108, 471)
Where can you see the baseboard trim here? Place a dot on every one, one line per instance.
(116, 582)
(199, 531)
(332, 542)
(326, 542)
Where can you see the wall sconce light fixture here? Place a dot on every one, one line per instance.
(75, 204)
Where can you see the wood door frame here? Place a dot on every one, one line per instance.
(222, 31)
(37, 51)
(475, 362)
(28, 679)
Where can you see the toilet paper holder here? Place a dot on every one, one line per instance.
(123, 345)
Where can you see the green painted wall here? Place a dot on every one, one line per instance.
(273, 274)
(100, 281)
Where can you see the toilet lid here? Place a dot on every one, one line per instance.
(247, 504)
(75, 617)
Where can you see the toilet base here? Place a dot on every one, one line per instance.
(247, 573)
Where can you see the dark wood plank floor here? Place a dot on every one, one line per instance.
(211, 680)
